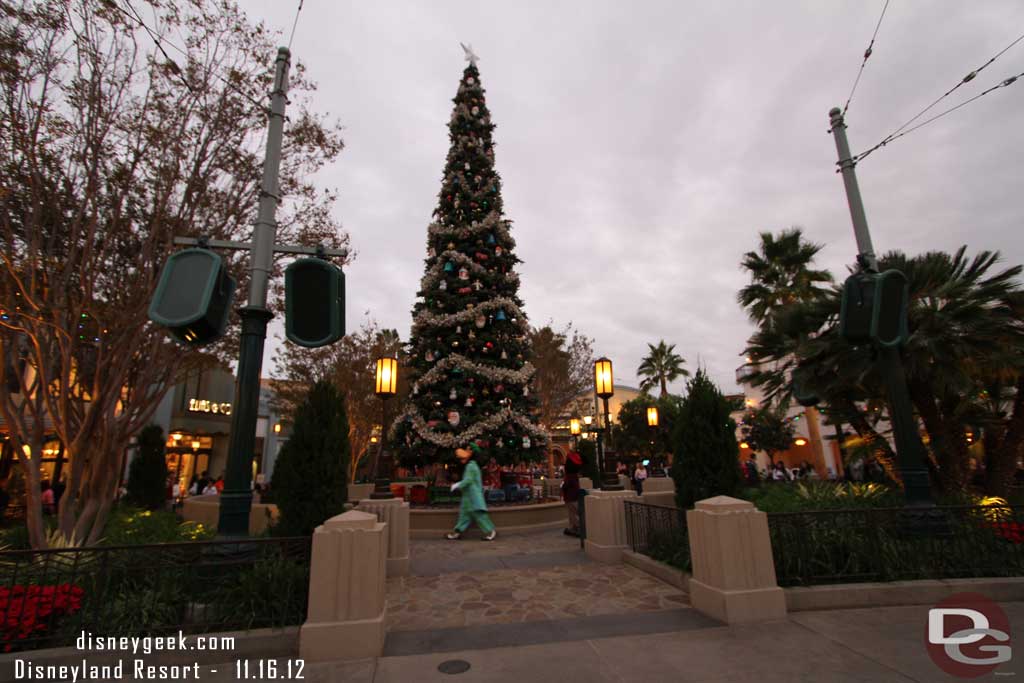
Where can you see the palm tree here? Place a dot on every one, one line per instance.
(780, 274)
(661, 366)
(964, 361)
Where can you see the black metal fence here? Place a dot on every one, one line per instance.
(48, 597)
(658, 531)
(893, 544)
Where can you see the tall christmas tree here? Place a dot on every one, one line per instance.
(470, 359)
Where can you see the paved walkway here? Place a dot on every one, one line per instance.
(879, 645)
(520, 579)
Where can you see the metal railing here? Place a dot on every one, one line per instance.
(48, 597)
(658, 531)
(894, 544)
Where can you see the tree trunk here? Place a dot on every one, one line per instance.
(950, 476)
(1001, 457)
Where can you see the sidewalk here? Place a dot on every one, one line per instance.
(870, 645)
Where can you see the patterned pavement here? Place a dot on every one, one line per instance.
(519, 578)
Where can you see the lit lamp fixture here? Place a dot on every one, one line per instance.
(744, 445)
(652, 416)
(385, 387)
(801, 441)
(176, 436)
(196, 445)
(574, 426)
(277, 428)
(604, 387)
(587, 419)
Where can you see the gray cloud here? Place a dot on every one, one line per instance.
(644, 145)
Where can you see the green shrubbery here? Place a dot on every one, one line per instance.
(147, 475)
(705, 462)
(310, 476)
(821, 495)
(134, 526)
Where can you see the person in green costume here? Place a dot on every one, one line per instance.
(472, 508)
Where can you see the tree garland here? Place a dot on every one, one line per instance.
(446, 440)
(426, 318)
(521, 376)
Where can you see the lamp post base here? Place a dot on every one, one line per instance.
(610, 482)
(381, 489)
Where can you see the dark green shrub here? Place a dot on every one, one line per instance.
(705, 461)
(309, 481)
(272, 592)
(588, 451)
(147, 475)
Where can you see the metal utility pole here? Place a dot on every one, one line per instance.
(865, 250)
(236, 500)
(910, 452)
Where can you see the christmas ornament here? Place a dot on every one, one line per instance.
(497, 251)
(455, 344)
(477, 286)
(449, 267)
(499, 388)
(458, 329)
(490, 238)
(475, 111)
(489, 345)
(465, 290)
(463, 273)
(443, 286)
(526, 442)
(469, 401)
(472, 335)
(453, 418)
(451, 245)
(504, 356)
(431, 253)
(452, 395)
(429, 355)
(416, 389)
(470, 81)
(500, 315)
(481, 321)
(526, 391)
(467, 166)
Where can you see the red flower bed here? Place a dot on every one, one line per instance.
(1011, 531)
(26, 610)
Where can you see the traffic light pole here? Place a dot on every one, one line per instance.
(236, 500)
(910, 453)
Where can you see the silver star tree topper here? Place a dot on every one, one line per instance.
(470, 55)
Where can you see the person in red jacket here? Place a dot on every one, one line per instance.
(571, 491)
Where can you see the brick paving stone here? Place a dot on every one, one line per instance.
(527, 594)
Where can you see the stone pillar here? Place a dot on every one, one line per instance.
(606, 524)
(395, 513)
(733, 569)
(345, 619)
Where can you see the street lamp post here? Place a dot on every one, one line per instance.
(386, 386)
(604, 387)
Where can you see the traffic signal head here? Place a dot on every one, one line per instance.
(874, 308)
(194, 296)
(314, 302)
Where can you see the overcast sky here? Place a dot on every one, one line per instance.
(643, 145)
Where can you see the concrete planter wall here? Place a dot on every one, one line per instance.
(432, 522)
(206, 511)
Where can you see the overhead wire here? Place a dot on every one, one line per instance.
(1009, 81)
(900, 132)
(159, 41)
(295, 24)
(867, 54)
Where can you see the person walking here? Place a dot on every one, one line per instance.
(571, 491)
(472, 508)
